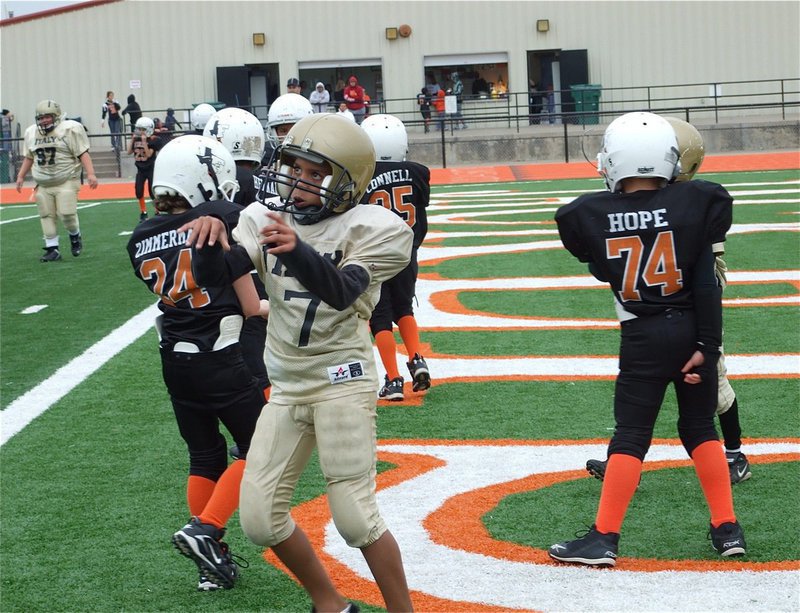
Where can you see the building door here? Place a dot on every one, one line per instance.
(233, 85)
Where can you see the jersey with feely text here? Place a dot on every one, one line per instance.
(405, 189)
(646, 243)
(162, 260)
(55, 154)
(314, 348)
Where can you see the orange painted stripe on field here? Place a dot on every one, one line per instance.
(314, 515)
(787, 160)
(457, 524)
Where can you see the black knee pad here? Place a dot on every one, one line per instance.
(209, 463)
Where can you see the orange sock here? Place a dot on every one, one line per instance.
(619, 486)
(267, 391)
(142, 205)
(225, 499)
(712, 471)
(198, 491)
(410, 334)
(387, 348)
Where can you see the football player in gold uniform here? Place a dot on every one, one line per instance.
(322, 259)
(56, 149)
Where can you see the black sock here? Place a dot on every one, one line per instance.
(729, 424)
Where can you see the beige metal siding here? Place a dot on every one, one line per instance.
(174, 48)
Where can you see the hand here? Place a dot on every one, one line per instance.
(103, 124)
(206, 230)
(263, 310)
(278, 237)
(20, 181)
(700, 367)
(92, 181)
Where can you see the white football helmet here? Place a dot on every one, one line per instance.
(201, 114)
(389, 137)
(289, 108)
(146, 125)
(638, 145)
(690, 148)
(240, 131)
(197, 168)
(323, 138)
(45, 108)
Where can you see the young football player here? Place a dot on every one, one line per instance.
(202, 363)
(322, 259)
(144, 146)
(199, 117)
(57, 150)
(651, 240)
(692, 151)
(404, 188)
(242, 135)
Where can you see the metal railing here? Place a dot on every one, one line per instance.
(699, 103)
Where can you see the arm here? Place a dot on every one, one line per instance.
(248, 297)
(88, 167)
(708, 312)
(27, 163)
(339, 288)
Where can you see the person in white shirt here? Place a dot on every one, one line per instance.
(343, 110)
(320, 98)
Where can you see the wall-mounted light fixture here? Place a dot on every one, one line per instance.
(404, 30)
(542, 25)
(391, 33)
(259, 39)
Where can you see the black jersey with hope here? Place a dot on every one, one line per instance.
(405, 189)
(645, 243)
(161, 259)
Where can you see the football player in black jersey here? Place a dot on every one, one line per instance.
(202, 363)
(651, 239)
(692, 151)
(404, 188)
(144, 146)
(243, 136)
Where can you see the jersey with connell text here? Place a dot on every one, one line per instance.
(316, 351)
(646, 243)
(405, 189)
(162, 260)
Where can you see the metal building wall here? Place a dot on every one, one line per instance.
(174, 47)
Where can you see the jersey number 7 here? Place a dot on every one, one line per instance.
(660, 269)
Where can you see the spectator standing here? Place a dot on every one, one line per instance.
(338, 93)
(320, 98)
(438, 104)
(458, 92)
(424, 102)
(60, 149)
(534, 103)
(133, 110)
(354, 96)
(171, 122)
(7, 123)
(111, 109)
(293, 86)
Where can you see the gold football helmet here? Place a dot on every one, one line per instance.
(690, 148)
(44, 109)
(324, 138)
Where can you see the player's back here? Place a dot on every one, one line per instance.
(163, 262)
(404, 188)
(646, 243)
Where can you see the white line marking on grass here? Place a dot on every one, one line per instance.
(30, 405)
(34, 308)
(85, 206)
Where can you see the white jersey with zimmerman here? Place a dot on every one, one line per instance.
(315, 349)
(55, 154)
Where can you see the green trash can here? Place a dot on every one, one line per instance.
(587, 102)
